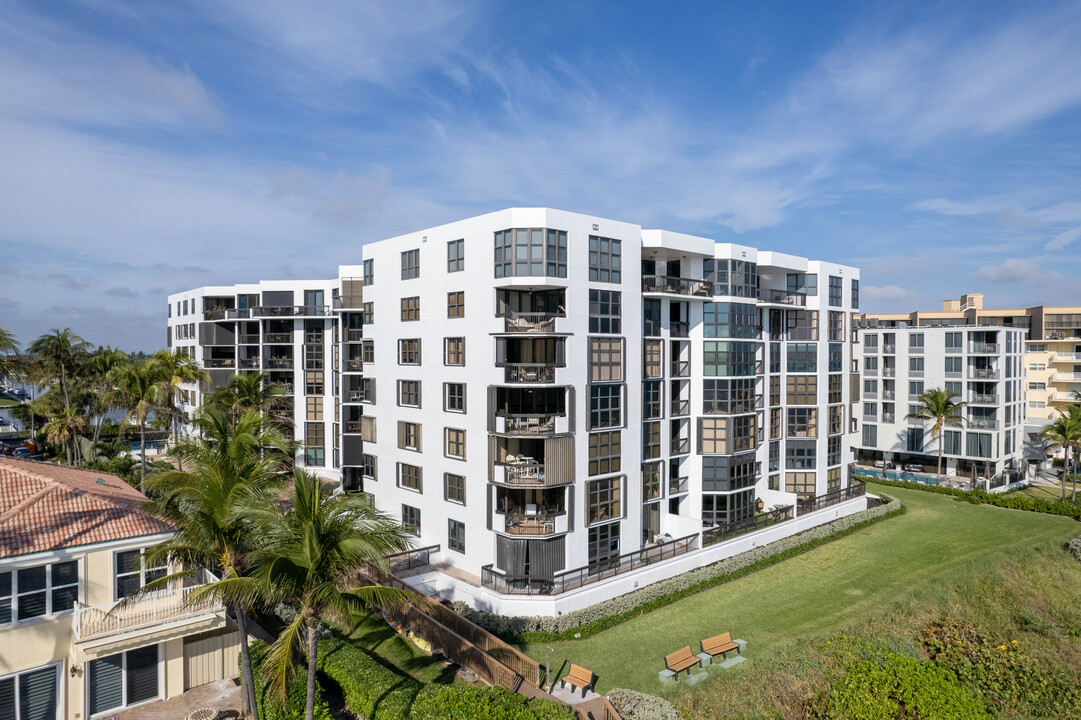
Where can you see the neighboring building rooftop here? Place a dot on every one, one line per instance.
(48, 507)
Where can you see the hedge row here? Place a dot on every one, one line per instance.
(634, 705)
(1074, 546)
(466, 702)
(976, 497)
(369, 688)
(297, 692)
(595, 618)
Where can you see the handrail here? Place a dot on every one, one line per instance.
(833, 497)
(744, 525)
(530, 372)
(144, 609)
(676, 285)
(782, 297)
(530, 322)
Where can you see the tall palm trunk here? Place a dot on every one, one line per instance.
(940, 450)
(313, 659)
(1073, 493)
(142, 455)
(68, 442)
(247, 678)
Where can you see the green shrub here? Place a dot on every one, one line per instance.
(1074, 547)
(465, 702)
(634, 705)
(297, 693)
(896, 687)
(1010, 501)
(603, 615)
(369, 688)
(1058, 462)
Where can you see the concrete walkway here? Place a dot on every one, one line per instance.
(223, 695)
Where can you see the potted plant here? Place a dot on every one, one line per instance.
(759, 504)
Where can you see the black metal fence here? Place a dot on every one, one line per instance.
(739, 527)
(833, 497)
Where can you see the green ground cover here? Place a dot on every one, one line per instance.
(1046, 493)
(843, 586)
(6, 402)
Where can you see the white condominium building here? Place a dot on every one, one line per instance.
(287, 329)
(983, 365)
(546, 394)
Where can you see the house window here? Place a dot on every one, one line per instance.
(409, 393)
(651, 399)
(803, 422)
(410, 309)
(536, 252)
(651, 480)
(454, 351)
(313, 382)
(408, 436)
(833, 451)
(31, 694)
(802, 390)
(454, 488)
(806, 283)
(833, 479)
(456, 304)
(131, 572)
(855, 294)
(605, 406)
(954, 340)
(836, 292)
(722, 397)
(915, 389)
(456, 535)
(979, 444)
(605, 259)
(915, 364)
(369, 467)
(837, 419)
(454, 443)
(411, 477)
(313, 408)
(411, 518)
(410, 264)
(314, 441)
(604, 499)
(123, 680)
(801, 483)
(724, 358)
(37, 591)
(800, 455)
(651, 318)
(954, 365)
(605, 311)
(606, 359)
(915, 340)
(367, 313)
(652, 358)
(870, 436)
(454, 397)
(803, 357)
(604, 452)
(836, 357)
(367, 352)
(603, 546)
(369, 273)
(914, 440)
(409, 352)
(651, 440)
(456, 256)
(951, 442)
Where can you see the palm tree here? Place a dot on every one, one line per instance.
(1065, 432)
(177, 368)
(64, 429)
(11, 363)
(59, 353)
(939, 405)
(231, 478)
(250, 391)
(141, 391)
(99, 372)
(310, 553)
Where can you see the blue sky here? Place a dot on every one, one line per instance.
(150, 147)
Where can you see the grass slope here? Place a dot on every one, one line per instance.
(831, 589)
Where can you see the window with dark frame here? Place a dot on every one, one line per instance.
(454, 351)
(454, 397)
(411, 518)
(605, 311)
(456, 535)
(605, 452)
(456, 304)
(411, 477)
(456, 255)
(605, 259)
(454, 443)
(410, 264)
(411, 309)
(409, 351)
(454, 488)
(409, 393)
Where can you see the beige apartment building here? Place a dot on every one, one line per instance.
(77, 639)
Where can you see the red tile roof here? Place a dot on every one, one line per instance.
(48, 507)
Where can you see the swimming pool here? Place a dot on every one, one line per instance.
(898, 475)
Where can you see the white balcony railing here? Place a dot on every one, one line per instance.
(145, 610)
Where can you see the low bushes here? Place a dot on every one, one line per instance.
(1074, 547)
(595, 618)
(466, 702)
(897, 686)
(634, 705)
(296, 694)
(1011, 501)
(369, 688)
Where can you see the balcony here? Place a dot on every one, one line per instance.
(526, 424)
(678, 485)
(548, 521)
(889, 394)
(279, 363)
(291, 311)
(1067, 357)
(247, 339)
(150, 612)
(676, 286)
(889, 349)
(354, 335)
(219, 363)
(529, 372)
(249, 363)
(869, 349)
(679, 329)
(984, 348)
(278, 338)
(355, 396)
(680, 368)
(530, 322)
(888, 417)
(351, 427)
(982, 424)
(983, 399)
(889, 372)
(782, 297)
(870, 372)
(354, 365)
(983, 373)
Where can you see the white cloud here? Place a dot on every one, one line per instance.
(885, 294)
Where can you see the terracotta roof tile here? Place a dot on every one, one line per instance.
(47, 507)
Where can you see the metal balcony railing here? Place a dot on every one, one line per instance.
(279, 363)
(354, 335)
(782, 297)
(984, 348)
(983, 373)
(278, 338)
(530, 322)
(529, 373)
(219, 363)
(676, 285)
(983, 399)
(530, 424)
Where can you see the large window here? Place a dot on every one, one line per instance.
(605, 311)
(604, 452)
(30, 695)
(730, 320)
(454, 443)
(737, 278)
(409, 436)
(603, 547)
(411, 476)
(833, 451)
(37, 591)
(456, 304)
(800, 455)
(724, 397)
(651, 440)
(836, 357)
(456, 256)
(802, 390)
(369, 273)
(724, 435)
(855, 294)
(410, 264)
(721, 474)
(605, 406)
(605, 499)
(836, 292)
(454, 488)
(132, 572)
(456, 535)
(605, 359)
(411, 518)
(605, 259)
(409, 393)
(803, 422)
(979, 444)
(531, 252)
(870, 436)
(454, 351)
(123, 680)
(652, 358)
(651, 318)
(951, 442)
(314, 444)
(369, 467)
(410, 309)
(806, 283)
(651, 399)
(801, 483)
(914, 440)
(803, 357)
(722, 358)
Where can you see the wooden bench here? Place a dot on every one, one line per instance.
(720, 645)
(681, 660)
(579, 677)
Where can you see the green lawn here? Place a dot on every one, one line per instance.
(938, 543)
(373, 634)
(1048, 493)
(6, 402)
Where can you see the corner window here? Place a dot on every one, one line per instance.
(605, 259)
